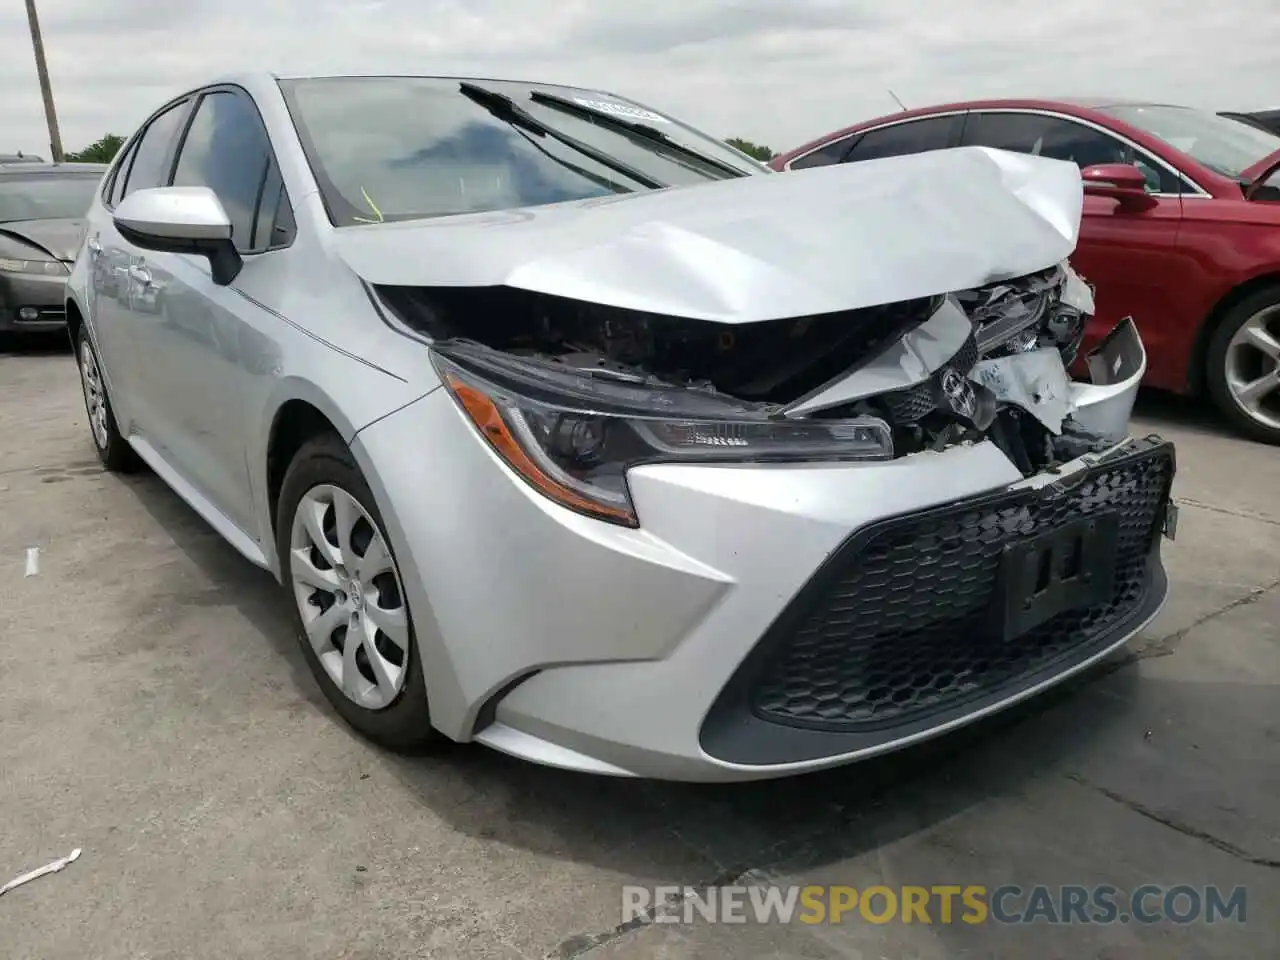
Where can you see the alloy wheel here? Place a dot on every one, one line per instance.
(95, 397)
(349, 595)
(1253, 367)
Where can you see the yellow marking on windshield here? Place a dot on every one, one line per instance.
(372, 206)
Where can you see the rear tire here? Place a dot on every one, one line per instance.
(1243, 366)
(113, 449)
(350, 611)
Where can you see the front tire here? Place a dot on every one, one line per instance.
(350, 611)
(1243, 366)
(113, 449)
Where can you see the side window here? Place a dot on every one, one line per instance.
(273, 225)
(150, 164)
(1062, 139)
(115, 188)
(832, 152)
(901, 139)
(227, 150)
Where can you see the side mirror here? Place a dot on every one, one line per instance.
(1119, 181)
(181, 220)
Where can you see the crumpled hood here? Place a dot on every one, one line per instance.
(757, 248)
(60, 239)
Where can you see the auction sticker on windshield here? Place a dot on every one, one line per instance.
(624, 110)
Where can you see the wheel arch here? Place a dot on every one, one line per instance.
(75, 320)
(295, 422)
(299, 412)
(1196, 368)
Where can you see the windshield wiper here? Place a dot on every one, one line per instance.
(599, 179)
(505, 108)
(636, 129)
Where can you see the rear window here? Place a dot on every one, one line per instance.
(46, 196)
(1225, 146)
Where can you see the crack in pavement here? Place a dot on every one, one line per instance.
(1164, 646)
(581, 944)
(1242, 514)
(1178, 826)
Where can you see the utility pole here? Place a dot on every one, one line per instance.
(46, 90)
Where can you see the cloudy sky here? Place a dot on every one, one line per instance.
(773, 71)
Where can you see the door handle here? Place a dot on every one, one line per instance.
(140, 275)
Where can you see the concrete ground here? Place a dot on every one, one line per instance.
(154, 712)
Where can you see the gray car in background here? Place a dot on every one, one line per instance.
(572, 431)
(42, 208)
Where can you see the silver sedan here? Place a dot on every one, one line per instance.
(573, 431)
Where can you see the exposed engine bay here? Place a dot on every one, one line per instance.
(989, 363)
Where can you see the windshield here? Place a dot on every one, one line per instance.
(400, 148)
(1225, 146)
(46, 196)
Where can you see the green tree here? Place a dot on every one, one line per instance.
(101, 151)
(757, 150)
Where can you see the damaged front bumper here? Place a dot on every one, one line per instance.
(1116, 367)
(1038, 383)
(678, 650)
(769, 580)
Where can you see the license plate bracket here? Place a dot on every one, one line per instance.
(1068, 567)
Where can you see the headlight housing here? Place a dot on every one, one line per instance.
(573, 433)
(45, 268)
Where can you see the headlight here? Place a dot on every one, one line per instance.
(573, 434)
(47, 268)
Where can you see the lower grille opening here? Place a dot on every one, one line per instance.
(901, 629)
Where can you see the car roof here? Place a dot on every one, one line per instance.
(1079, 106)
(261, 81)
(1101, 103)
(1032, 103)
(416, 76)
(50, 169)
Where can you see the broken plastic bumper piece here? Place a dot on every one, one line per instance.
(1037, 381)
(1116, 368)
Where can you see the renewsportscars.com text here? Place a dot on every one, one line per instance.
(939, 904)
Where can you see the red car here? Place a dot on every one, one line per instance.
(1181, 227)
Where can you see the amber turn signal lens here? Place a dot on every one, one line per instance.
(484, 413)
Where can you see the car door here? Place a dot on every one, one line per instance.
(213, 345)
(102, 286)
(1129, 253)
(144, 162)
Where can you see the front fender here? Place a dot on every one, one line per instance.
(364, 396)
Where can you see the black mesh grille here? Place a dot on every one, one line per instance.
(901, 627)
(966, 357)
(910, 405)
